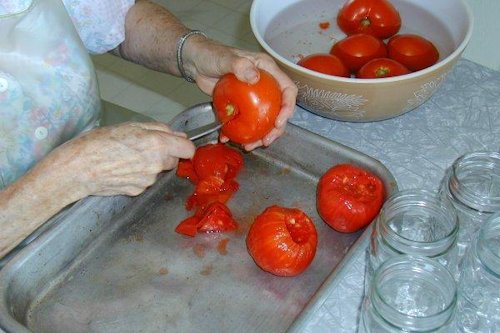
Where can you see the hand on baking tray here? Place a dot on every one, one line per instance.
(212, 60)
(122, 159)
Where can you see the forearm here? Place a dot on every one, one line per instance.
(30, 201)
(151, 34)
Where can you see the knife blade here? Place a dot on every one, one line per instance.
(201, 131)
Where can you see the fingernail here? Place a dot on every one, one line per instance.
(251, 75)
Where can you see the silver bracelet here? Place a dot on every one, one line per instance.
(180, 46)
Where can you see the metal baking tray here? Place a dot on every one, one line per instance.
(115, 264)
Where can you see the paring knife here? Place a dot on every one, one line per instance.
(202, 130)
(197, 133)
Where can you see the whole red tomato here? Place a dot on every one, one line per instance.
(381, 67)
(375, 17)
(356, 50)
(413, 51)
(247, 111)
(349, 197)
(282, 241)
(325, 63)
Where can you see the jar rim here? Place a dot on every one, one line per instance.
(396, 318)
(421, 198)
(489, 258)
(480, 162)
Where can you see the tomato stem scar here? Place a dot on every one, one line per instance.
(229, 109)
(382, 72)
(365, 22)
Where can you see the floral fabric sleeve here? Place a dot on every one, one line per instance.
(100, 23)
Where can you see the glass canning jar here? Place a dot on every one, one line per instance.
(472, 184)
(479, 286)
(414, 222)
(409, 294)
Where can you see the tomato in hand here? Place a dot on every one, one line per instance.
(218, 160)
(349, 197)
(378, 18)
(356, 50)
(247, 111)
(325, 63)
(380, 68)
(282, 241)
(413, 51)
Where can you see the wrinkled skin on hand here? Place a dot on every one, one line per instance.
(122, 159)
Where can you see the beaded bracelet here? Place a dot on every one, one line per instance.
(180, 46)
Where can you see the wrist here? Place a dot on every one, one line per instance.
(185, 63)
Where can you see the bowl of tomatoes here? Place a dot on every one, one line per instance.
(360, 60)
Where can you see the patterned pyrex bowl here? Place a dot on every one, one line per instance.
(290, 29)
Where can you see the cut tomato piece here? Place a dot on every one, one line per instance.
(217, 160)
(185, 169)
(210, 190)
(216, 217)
(188, 226)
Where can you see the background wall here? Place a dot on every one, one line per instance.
(484, 47)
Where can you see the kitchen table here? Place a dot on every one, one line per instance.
(417, 147)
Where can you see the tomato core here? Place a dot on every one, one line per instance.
(230, 110)
(382, 72)
(365, 22)
(298, 230)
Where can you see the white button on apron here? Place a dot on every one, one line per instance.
(4, 84)
(41, 133)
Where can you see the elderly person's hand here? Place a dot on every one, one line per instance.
(206, 61)
(116, 160)
(152, 34)
(121, 159)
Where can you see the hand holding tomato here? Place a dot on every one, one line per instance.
(247, 111)
(378, 18)
(207, 61)
(349, 197)
(282, 241)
